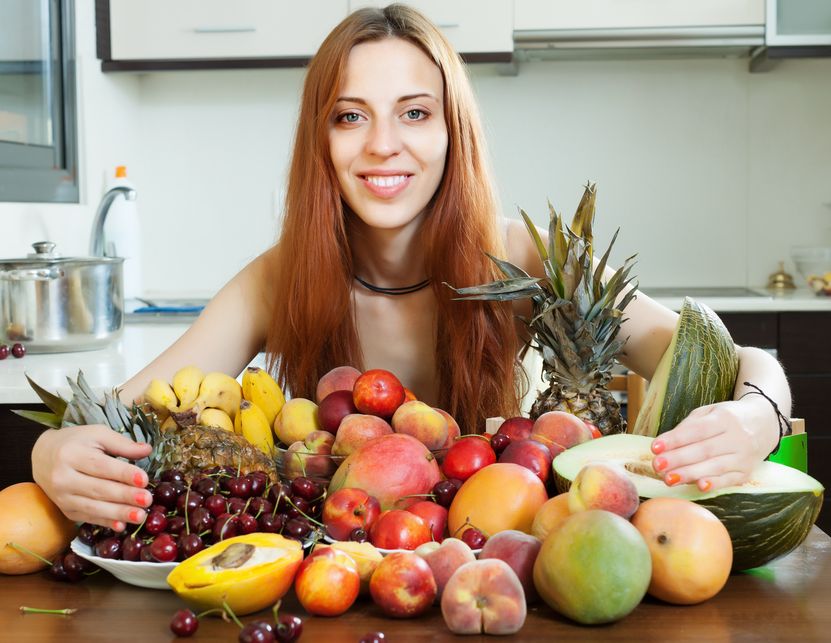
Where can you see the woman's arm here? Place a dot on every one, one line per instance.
(76, 467)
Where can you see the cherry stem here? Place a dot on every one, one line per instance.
(211, 611)
(304, 514)
(229, 611)
(36, 610)
(187, 524)
(275, 610)
(138, 529)
(26, 550)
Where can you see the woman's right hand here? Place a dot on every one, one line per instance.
(77, 469)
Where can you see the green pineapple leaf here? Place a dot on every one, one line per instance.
(52, 420)
(53, 402)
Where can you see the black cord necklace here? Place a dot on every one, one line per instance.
(401, 290)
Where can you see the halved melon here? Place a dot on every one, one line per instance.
(767, 517)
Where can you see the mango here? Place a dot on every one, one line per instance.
(250, 573)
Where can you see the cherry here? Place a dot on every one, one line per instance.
(297, 528)
(201, 519)
(271, 523)
(180, 486)
(165, 494)
(146, 556)
(247, 523)
(373, 637)
(499, 442)
(474, 538)
(184, 623)
(289, 628)
(190, 544)
(18, 350)
(188, 501)
(236, 505)
(57, 570)
(155, 523)
(259, 506)
(226, 526)
(358, 535)
(444, 492)
(176, 525)
(239, 487)
(164, 548)
(172, 475)
(131, 548)
(305, 488)
(4, 351)
(207, 487)
(257, 632)
(259, 482)
(74, 567)
(278, 494)
(299, 508)
(108, 548)
(216, 504)
(87, 533)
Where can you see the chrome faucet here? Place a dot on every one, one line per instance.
(96, 239)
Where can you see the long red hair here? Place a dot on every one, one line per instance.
(312, 325)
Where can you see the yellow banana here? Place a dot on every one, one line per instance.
(260, 388)
(238, 423)
(216, 417)
(186, 383)
(169, 424)
(255, 427)
(218, 391)
(161, 398)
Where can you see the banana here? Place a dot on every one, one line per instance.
(216, 417)
(169, 424)
(260, 388)
(255, 427)
(186, 383)
(161, 398)
(218, 391)
(237, 423)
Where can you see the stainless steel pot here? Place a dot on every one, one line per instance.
(55, 304)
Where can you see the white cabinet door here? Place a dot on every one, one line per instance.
(795, 23)
(471, 26)
(633, 14)
(220, 29)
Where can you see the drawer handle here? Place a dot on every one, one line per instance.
(224, 30)
(448, 25)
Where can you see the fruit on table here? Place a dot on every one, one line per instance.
(30, 519)
(216, 390)
(445, 490)
(531, 454)
(389, 468)
(421, 421)
(258, 387)
(217, 418)
(249, 572)
(698, 368)
(190, 449)
(347, 509)
(334, 407)
(594, 569)
(575, 316)
(691, 550)
(161, 398)
(484, 596)
(444, 559)
(516, 428)
(550, 516)
(310, 457)
(378, 392)
(296, 420)
(519, 551)
(399, 529)
(453, 430)
(340, 378)
(366, 557)
(767, 517)
(467, 456)
(403, 585)
(356, 429)
(256, 427)
(499, 496)
(559, 431)
(186, 383)
(600, 485)
(434, 515)
(327, 582)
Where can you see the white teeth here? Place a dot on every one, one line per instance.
(386, 181)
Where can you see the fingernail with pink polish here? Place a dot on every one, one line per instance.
(118, 525)
(135, 516)
(660, 463)
(138, 479)
(142, 499)
(658, 446)
(672, 479)
(705, 485)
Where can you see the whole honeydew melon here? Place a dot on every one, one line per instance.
(767, 516)
(699, 367)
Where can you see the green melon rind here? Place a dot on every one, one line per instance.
(699, 367)
(766, 518)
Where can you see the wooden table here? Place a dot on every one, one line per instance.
(790, 599)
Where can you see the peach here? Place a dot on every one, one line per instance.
(421, 421)
(561, 428)
(389, 468)
(516, 428)
(399, 529)
(378, 392)
(334, 407)
(296, 420)
(357, 429)
(550, 516)
(365, 555)
(484, 596)
(311, 457)
(453, 430)
(403, 585)
(348, 509)
(445, 558)
(409, 396)
(434, 515)
(322, 570)
(603, 486)
(530, 454)
(340, 378)
(519, 550)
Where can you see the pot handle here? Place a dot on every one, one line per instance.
(32, 274)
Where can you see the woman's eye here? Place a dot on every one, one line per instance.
(416, 114)
(349, 117)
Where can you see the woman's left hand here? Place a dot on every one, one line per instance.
(714, 446)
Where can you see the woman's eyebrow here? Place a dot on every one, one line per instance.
(402, 99)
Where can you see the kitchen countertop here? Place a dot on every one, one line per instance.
(141, 342)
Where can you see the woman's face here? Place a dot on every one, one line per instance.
(388, 138)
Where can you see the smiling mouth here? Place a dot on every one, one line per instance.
(388, 181)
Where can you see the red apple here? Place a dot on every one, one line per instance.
(530, 454)
(434, 515)
(516, 428)
(322, 570)
(378, 392)
(334, 407)
(403, 585)
(399, 529)
(467, 456)
(348, 509)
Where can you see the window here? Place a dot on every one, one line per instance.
(38, 135)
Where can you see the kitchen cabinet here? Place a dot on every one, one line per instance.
(158, 34)
(801, 343)
(798, 23)
(480, 30)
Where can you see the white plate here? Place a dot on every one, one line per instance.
(384, 552)
(141, 574)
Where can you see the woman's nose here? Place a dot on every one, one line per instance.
(384, 139)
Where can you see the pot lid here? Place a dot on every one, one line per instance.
(45, 253)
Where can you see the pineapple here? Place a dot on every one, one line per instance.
(575, 322)
(190, 449)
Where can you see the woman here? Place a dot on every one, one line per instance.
(388, 197)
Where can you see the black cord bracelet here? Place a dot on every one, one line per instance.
(785, 427)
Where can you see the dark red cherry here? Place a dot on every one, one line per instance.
(164, 548)
(155, 523)
(271, 523)
(190, 544)
(184, 623)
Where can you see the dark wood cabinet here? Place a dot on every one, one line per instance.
(18, 437)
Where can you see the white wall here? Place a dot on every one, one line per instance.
(711, 172)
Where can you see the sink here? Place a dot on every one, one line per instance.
(705, 292)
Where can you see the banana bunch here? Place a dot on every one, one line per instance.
(262, 401)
